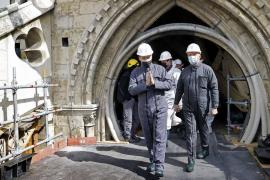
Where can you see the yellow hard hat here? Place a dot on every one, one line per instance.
(132, 62)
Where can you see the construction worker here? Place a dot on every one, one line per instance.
(131, 120)
(196, 83)
(174, 73)
(149, 82)
(178, 64)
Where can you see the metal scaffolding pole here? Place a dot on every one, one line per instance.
(30, 118)
(15, 115)
(46, 109)
(30, 147)
(16, 120)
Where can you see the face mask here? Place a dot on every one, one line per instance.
(193, 60)
(146, 64)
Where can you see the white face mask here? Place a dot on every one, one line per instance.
(193, 60)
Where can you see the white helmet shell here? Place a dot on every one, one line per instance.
(144, 50)
(177, 61)
(193, 48)
(165, 55)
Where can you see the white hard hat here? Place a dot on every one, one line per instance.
(193, 48)
(177, 61)
(144, 50)
(165, 55)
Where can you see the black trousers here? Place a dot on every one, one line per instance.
(192, 121)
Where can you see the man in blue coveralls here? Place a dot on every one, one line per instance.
(148, 82)
(198, 85)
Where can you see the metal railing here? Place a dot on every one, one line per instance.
(16, 119)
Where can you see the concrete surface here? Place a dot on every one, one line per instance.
(128, 161)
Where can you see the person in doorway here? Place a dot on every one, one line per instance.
(149, 82)
(130, 106)
(174, 73)
(178, 64)
(197, 83)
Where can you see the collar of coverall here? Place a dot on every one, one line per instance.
(196, 65)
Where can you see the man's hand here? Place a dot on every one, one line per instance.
(213, 111)
(177, 108)
(149, 79)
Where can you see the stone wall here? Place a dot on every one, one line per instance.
(70, 19)
(95, 29)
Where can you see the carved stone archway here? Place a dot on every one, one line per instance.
(122, 22)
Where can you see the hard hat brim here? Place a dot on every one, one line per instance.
(150, 53)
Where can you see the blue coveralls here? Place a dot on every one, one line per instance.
(152, 108)
(198, 85)
(130, 106)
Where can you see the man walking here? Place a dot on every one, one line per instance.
(131, 120)
(198, 85)
(166, 60)
(149, 81)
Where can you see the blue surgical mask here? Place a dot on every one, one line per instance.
(193, 60)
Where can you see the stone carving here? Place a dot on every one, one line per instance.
(36, 50)
(89, 120)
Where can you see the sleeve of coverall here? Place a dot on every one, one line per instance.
(213, 84)
(134, 87)
(179, 90)
(165, 83)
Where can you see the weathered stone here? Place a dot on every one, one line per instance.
(64, 22)
(82, 21)
(85, 37)
(262, 18)
(13, 7)
(90, 7)
(98, 17)
(235, 26)
(259, 3)
(72, 82)
(246, 3)
(268, 16)
(254, 10)
(91, 25)
(76, 60)
(73, 71)
(19, 16)
(106, 7)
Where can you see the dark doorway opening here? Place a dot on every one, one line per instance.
(177, 15)
(212, 54)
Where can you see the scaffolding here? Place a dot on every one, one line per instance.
(244, 102)
(16, 119)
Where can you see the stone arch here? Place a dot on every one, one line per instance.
(94, 57)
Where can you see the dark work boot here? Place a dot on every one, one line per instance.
(204, 153)
(151, 167)
(190, 166)
(159, 173)
(134, 139)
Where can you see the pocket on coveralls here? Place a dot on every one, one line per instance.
(203, 82)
